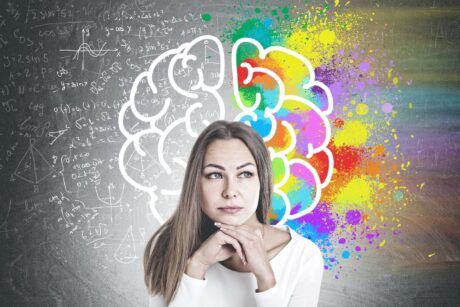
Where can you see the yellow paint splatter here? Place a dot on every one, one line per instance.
(287, 65)
(327, 37)
(321, 40)
(362, 109)
(355, 194)
(431, 255)
(382, 243)
(301, 42)
(395, 80)
(389, 73)
(353, 133)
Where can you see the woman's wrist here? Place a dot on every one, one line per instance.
(265, 282)
(265, 285)
(196, 268)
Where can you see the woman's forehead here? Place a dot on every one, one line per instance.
(231, 152)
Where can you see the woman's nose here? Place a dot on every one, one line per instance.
(229, 194)
(229, 190)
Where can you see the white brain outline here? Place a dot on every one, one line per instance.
(181, 55)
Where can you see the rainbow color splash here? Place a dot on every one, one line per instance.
(359, 208)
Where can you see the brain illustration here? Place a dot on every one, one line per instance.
(177, 97)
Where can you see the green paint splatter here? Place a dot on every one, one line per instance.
(257, 10)
(257, 29)
(278, 169)
(325, 8)
(248, 95)
(206, 17)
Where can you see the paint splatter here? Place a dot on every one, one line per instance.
(206, 17)
(360, 207)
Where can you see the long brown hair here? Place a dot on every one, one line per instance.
(175, 241)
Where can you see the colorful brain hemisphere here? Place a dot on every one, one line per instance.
(279, 97)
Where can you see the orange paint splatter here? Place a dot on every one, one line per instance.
(372, 168)
(268, 82)
(379, 150)
(281, 139)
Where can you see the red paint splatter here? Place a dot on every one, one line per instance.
(320, 162)
(338, 122)
(346, 158)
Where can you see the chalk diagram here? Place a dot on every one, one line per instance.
(111, 200)
(141, 164)
(4, 223)
(126, 251)
(268, 119)
(84, 48)
(33, 166)
(74, 214)
(57, 134)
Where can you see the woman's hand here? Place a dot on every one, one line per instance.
(254, 251)
(218, 247)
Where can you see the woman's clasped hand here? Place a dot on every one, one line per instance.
(230, 239)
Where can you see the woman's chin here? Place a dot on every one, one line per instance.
(230, 220)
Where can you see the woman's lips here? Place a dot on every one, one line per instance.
(230, 210)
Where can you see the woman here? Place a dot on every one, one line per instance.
(217, 248)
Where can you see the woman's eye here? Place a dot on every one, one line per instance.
(246, 174)
(213, 176)
(219, 175)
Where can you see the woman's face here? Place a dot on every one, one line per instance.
(229, 179)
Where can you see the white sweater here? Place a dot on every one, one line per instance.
(298, 270)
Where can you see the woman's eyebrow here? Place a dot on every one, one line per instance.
(223, 168)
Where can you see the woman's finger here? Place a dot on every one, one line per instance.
(232, 241)
(242, 236)
(242, 230)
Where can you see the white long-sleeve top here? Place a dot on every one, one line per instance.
(298, 270)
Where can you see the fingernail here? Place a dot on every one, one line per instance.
(217, 223)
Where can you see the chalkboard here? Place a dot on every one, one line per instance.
(73, 229)
(72, 225)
